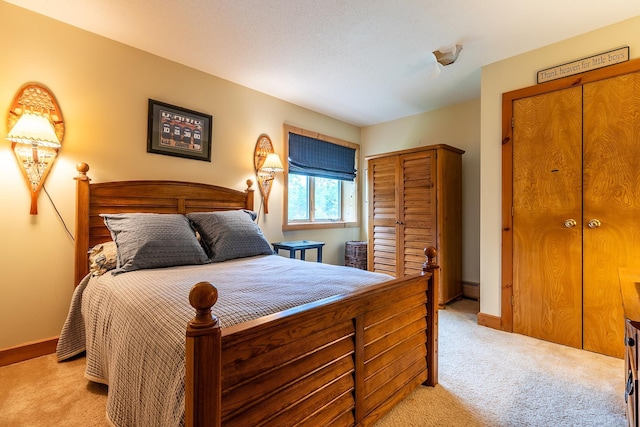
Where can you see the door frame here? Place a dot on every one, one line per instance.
(506, 319)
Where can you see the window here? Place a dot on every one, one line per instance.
(320, 184)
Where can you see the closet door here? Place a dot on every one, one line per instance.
(383, 214)
(547, 216)
(611, 205)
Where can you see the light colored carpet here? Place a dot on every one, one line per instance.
(494, 378)
(42, 392)
(487, 378)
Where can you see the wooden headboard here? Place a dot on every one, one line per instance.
(141, 196)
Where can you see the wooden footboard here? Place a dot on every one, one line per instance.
(341, 361)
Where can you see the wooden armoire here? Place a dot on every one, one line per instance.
(414, 201)
(571, 206)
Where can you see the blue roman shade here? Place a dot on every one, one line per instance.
(313, 157)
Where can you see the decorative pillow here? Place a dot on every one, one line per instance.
(102, 258)
(147, 240)
(230, 234)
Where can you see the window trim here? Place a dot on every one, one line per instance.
(308, 225)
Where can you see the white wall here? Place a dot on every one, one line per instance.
(504, 76)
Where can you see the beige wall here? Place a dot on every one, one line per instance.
(103, 88)
(458, 126)
(504, 76)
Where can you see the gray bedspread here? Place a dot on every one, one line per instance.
(133, 325)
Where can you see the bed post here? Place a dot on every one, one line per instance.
(82, 223)
(203, 382)
(430, 266)
(250, 197)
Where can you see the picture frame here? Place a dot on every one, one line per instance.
(177, 131)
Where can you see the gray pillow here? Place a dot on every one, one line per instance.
(146, 240)
(230, 234)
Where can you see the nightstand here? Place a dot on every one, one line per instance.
(299, 245)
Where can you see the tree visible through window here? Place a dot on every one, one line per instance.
(321, 184)
(327, 200)
(298, 198)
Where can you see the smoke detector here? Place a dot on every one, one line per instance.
(447, 56)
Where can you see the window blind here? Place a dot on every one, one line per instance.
(313, 157)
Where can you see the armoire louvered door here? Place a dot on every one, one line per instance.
(383, 216)
(416, 210)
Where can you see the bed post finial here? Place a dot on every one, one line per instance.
(249, 184)
(202, 297)
(430, 263)
(82, 169)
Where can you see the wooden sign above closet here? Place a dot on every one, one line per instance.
(589, 63)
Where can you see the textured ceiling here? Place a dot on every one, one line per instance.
(361, 61)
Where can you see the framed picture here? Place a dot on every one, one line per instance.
(176, 131)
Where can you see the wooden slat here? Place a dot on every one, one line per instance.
(337, 413)
(284, 375)
(411, 377)
(374, 414)
(418, 235)
(268, 351)
(395, 323)
(389, 357)
(321, 400)
(346, 419)
(385, 254)
(380, 262)
(413, 260)
(407, 300)
(384, 343)
(296, 401)
(415, 357)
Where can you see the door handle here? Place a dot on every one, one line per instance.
(570, 223)
(594, 223)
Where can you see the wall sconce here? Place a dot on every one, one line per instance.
(267, 164)
(36, 130)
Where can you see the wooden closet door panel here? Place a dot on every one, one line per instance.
(611, 196)
(417, 210)
(382, 215)
(547, 182)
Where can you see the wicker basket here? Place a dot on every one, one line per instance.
(355, 254)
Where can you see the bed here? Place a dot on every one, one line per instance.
(343, 357)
